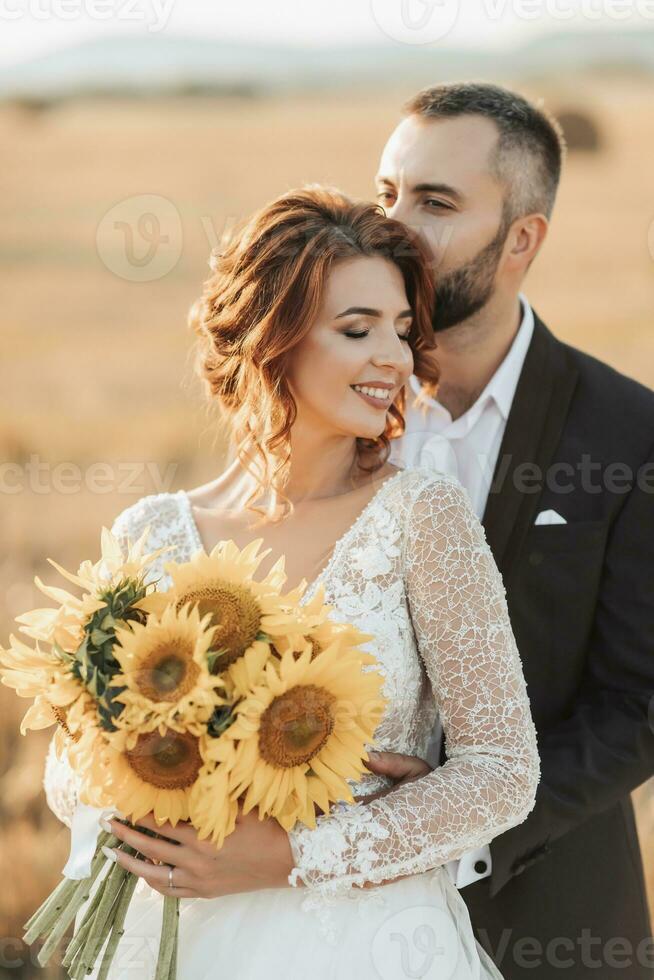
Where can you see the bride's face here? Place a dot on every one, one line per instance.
(359, 338)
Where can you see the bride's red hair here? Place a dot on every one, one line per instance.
(260, 301)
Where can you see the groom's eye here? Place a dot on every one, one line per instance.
(384, 195)
(434, 204)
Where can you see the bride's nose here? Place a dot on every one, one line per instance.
(391, 351)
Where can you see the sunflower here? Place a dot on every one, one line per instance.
(65, 625)
(163, 664)
(302, 734)
(212, 807)
(245, 612)
(46, 677)
(146, 771)
(245, 672)
(319, 631)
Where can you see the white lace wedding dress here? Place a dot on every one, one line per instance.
(415, 570)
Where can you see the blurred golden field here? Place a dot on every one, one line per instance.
(95, 367)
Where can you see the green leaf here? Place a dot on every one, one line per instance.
(82, 656)
(221, 719)
(92, 684)
(98, 637)
(63, 654)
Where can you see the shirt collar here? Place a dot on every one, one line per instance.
(501, 387)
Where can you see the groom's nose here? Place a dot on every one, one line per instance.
(400, 210)
(404, 210)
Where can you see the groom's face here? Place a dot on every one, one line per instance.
(434, 175)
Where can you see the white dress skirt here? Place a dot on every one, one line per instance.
(418, 927)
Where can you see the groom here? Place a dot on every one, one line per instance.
(556, 450)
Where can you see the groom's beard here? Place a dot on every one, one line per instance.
(462, 292)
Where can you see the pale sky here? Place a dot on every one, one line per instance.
(32, 27)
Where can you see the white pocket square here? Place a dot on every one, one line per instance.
(550, 517)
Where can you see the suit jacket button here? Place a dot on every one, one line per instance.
(480, 867)
(535, 558)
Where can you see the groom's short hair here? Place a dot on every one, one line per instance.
(530, 148)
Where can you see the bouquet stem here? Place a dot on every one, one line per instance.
(58, 911)
(104, 918)
(82, 932)
(61, 895)
(117, 929)
(168, 945)
(172, 975)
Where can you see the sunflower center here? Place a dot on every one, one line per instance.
(295, 726)
(234, 611)
(169, 761)
(168, 672)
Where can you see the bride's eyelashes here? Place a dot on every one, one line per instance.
(346, 333)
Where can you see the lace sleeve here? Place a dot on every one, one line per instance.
(458, 608)
(60, 783)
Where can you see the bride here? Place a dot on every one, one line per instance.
(309, 326)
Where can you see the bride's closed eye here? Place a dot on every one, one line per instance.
(402, 336)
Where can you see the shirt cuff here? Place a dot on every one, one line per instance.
(471, 866)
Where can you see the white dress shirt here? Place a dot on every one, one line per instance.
(468, 448)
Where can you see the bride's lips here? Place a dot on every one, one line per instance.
(375, 402)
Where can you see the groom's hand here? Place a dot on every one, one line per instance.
(400, 768)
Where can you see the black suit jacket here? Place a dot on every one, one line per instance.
(579, 440)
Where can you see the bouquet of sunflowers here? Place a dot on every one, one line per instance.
(182, 703)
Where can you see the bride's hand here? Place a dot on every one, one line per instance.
(400, 768)
(255, 855)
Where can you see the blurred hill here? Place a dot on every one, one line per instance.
(157, 64)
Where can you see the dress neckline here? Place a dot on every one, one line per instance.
(337, 547)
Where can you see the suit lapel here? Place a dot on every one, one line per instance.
(533, 430)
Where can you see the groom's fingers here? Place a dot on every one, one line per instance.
(373, 796)
(399, 767)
